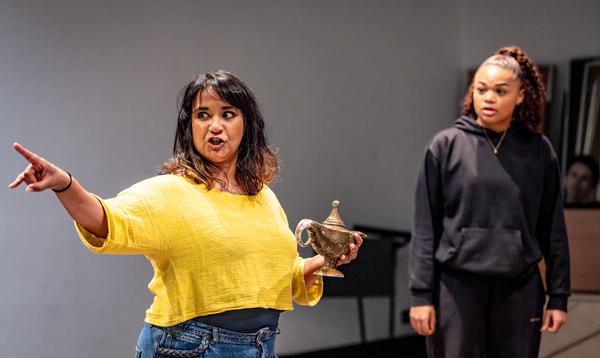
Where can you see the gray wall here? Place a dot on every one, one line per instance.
(93, 88)
(351, 91)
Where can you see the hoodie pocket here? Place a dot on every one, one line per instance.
(493, 252)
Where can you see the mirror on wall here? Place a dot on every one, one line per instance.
(581, 133)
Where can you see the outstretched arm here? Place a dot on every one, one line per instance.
(81, 205)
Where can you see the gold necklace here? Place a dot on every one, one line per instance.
(497, 146)
(227, 189)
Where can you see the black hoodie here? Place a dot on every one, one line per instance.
(489, 214)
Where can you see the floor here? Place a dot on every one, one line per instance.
(579, 338)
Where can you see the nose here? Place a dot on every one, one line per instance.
(489, 97)
(215, 125)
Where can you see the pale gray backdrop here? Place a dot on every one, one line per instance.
(352, 92)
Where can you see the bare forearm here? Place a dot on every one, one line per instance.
(85, 209)
(311, 265)
(41, 175)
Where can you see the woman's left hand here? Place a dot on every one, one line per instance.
(352, 250)
(553, 320)
(311, 265)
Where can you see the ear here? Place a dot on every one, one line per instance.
(520, 96)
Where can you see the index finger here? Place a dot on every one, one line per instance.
(30, 156)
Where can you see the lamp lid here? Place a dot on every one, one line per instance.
(334, 217)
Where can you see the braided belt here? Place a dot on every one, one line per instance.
(177, 353)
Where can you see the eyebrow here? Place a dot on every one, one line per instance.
(496, 85)
(206, 108)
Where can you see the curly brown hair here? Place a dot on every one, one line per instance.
(531, 111)
(257, 162)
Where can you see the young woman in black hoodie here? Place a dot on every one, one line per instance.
(488, 209)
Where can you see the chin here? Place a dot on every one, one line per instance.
(493, 120)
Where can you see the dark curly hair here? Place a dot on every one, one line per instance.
(531, 111)
(257, 162)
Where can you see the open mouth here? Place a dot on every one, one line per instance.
(216, 141)
(488, 111)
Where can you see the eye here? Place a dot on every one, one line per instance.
(229, 115)
(203, 115)
(480, 90)
(501, 92)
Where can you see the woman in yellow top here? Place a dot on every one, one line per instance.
(225, 261)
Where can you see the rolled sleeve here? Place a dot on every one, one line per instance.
(303, 295)
(131, 230)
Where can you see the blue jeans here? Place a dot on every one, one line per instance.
(195, 339)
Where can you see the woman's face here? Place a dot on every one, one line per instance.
(496, 93)
(217, 128)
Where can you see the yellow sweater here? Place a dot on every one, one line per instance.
(211, 251)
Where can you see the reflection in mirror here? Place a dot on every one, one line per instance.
(581, 126)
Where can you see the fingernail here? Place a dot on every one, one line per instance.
(28, 189)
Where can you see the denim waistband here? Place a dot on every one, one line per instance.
(222, 335)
